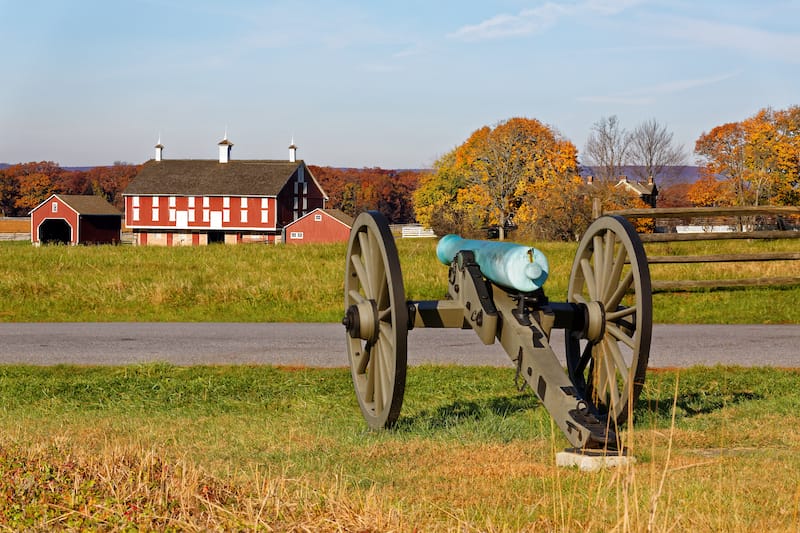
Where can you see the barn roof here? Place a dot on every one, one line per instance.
(199, 177)
(336, 214)
(345, 219)
(85, 204)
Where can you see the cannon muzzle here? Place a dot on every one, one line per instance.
(507, 264)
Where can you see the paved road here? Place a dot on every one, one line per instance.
(322, 345)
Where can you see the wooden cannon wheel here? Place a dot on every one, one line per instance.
(607, 362)
(376, 320)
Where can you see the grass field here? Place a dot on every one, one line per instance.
(257, 283)
(261, 448)
(158, 447)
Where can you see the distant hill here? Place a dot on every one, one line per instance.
(682, 174)
(71, 169)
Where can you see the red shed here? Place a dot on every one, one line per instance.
(75, 219)
(320, 225)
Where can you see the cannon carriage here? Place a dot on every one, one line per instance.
(496, 289)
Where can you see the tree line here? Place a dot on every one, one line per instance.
(522, 174)
(519, 174)
(26, 185)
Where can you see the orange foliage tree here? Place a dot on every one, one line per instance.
(492, 178)
(759, 157)
(26, 185)
(356, 190)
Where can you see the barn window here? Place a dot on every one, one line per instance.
(243, 203)
(264, 216)
(317, 218)
(135, 213)
(226, 201)
(155, 201)
(135, 201)
(206, 201)
(206, 215)
(296, 235)
(265, 203)
(172, 201)
(172, 215)
(191, 201)
(191, 215)
(226, 215)
(54, 207)
(243, 216)
(155, 213)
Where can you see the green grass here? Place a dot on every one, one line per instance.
(197, 448)
(255, 283)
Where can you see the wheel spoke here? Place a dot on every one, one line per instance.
(385, 315)
(616, 271)
(363, 268)
(361, 273)
(586, 357)
(369, 393)
(620, 335)
(588, 276)
(601, 375)
(363, 359)
(386, 373)
(608, 257)
(375, 368)
(355, 296)
(382, 291)
(599, 256)
(622, 288)
(616, 353)
(611, 377)
(578, 297)
(620, 313)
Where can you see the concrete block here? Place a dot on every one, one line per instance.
(592, 461)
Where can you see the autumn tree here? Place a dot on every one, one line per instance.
(607, 148)
(487, 180)
(111, 181)
(33, 189)
(436, 201)
(709, 191)
(355, 190)
(757, 156)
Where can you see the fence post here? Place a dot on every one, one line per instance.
(597, 208)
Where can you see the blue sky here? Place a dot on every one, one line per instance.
(390, 84)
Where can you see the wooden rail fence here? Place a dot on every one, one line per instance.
(738, 214)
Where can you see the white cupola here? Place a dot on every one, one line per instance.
(292, 152)
(159, 149)
(225, 149)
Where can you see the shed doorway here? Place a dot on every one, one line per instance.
(55, 231)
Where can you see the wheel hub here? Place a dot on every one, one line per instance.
(595, 321)
(360, 321)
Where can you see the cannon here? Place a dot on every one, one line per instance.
(496, 289)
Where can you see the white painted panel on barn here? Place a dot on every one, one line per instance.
(216, 219)
(182, 220)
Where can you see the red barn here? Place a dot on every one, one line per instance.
(318, 226)
(196, 202)
(75, 219)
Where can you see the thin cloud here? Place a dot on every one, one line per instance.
(773, 45)
(538, 19)
(646, 95)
